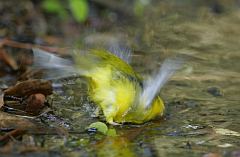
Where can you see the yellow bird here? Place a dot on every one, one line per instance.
(114, 86)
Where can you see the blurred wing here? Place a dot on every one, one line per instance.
(92, 59)
(122, 52)
(153, 85)
(56, 67)
(116, 44)
(45, 59)
(84, 62)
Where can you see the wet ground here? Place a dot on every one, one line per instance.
(202, 99)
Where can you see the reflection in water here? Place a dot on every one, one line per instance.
(115, 146)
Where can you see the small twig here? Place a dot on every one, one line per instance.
(30, 46)
(11, 135)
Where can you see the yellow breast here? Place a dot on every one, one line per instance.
(114, 96)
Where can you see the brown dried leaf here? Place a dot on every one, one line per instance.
(30, 87)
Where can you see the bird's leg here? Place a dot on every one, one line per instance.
(110, 113)
(110, 121)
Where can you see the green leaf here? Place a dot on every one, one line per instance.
(54, 6)
(139, 6)
(112, 132)
(79, 9)
(100, 126)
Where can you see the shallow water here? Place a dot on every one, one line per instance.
(202, 99)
